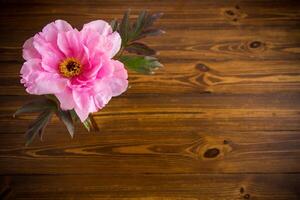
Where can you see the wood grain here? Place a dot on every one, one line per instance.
(221, 120)
(182, 186)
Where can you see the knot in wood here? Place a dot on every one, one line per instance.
(202, 67)
(211, 153)
(255, 44)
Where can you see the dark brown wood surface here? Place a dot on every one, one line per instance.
(221, 120)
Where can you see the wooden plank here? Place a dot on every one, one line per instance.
(156, 187)
(187, 113)
(221, 45)
(199, 12)
(148, 151)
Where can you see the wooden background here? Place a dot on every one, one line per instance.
(220, 121)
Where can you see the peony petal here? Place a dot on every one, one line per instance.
(51, 62)
(81, 113)
(63, 44)
(62, 25)
(82, 104)
(115, 74)
(51, 56)
(115, 40)
(119, 70)
(29, 67)
(29, 52)
(107, 42)
(70, 44)
(46, 44)
(90, 39)
(51, 30)
(106, 69)
(40, 83)
(118, 86)
(66, 99)
(93, 107)
(100, 26)
(75, 43)
(85, 60)
(118, 82)
(103, 93)
(90, 71)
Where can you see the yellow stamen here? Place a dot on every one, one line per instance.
(70, 67)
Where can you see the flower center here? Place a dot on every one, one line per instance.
(70, 67)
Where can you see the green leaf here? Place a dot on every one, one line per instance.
(42, 130)
(66, 118)
(90, 124)
(140, 64)
(138, 26)
(87, 124)
(140, 49)
(150, 32)
(36, 106)
(125, 27)
(74, 116)
(152, 18)
(53, 98)
(38, 125)
(114, 25)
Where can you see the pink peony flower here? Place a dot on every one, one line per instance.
(76, 66)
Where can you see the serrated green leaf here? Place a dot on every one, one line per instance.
(140, 49)
(152, 18)
(138, 26)
(114, 25)
(125, 27)
(140, 64)
(66, 118)
(38, 125)
(150, 32)
(36, 106)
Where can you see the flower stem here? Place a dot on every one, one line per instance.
(93, 123)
